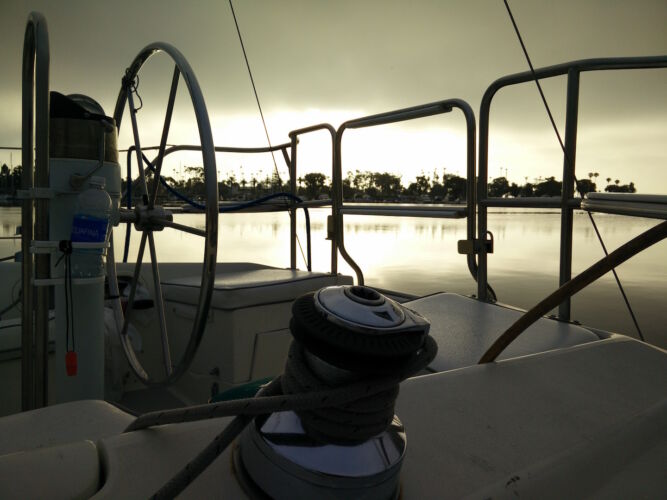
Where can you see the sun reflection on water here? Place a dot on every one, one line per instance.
(420, 256)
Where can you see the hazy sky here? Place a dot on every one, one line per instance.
(330, 61)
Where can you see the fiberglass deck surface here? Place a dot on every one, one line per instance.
(464, 328)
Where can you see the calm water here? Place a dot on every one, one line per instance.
(419, 256)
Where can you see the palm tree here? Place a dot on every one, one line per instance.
(616, 182)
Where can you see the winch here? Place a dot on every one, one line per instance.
(344, 335)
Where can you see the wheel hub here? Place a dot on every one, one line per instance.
(151, 219)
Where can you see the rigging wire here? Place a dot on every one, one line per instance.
(254, 88)
(569, 164)
(261, 114)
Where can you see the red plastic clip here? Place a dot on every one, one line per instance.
(71, 363)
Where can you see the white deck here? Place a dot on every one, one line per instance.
(582, 421)
(465, 328)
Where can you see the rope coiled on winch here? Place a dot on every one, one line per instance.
(350, 398)
(330, 411)
(274, 401)
(350, 422)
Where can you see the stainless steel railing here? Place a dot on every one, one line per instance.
(567, 202)
(294, 137)
(35, 103)
(400, 115)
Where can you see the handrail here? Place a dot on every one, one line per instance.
(294, 137)
(579, 65)
(35, 86)
(184, 147)
(250, 150)
(632, 205)
(530, 202)
(218, 149)
(406, 210)
(395, 116)
(192, 147)
(568, 203)
(400, 115)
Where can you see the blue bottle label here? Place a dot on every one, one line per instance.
(89, 229)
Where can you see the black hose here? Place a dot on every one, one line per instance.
(231, 208)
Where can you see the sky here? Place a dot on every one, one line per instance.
(331, 61)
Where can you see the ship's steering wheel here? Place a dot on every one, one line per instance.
(149, 217)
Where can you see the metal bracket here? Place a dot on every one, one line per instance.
(35, 193)
(474, 246)
(330, 228)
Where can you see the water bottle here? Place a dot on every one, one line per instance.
(90, 224)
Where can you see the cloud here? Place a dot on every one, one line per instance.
(367, 56)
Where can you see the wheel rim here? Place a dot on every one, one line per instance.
(149, 217)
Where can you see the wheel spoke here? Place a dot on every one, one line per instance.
(160, 306)
(118, 314)
(184, 228)
(137, 143)
(163, 140)
(133, 285)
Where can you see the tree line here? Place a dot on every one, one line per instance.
(357, 185)
(362, 186)
(501, 187)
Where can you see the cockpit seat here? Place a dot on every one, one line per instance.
(465, 328)
(60, 424)
(52, 451)
(247, 334)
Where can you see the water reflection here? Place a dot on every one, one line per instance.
(10, 219)
(420, 256)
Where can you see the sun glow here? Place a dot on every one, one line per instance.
(406, 150)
